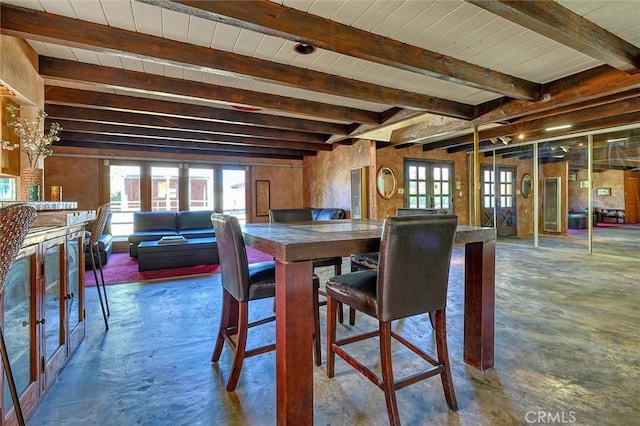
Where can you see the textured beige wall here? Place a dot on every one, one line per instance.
(19, 71)
(327, 176)
(285, 188)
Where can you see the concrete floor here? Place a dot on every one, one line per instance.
(567, 351)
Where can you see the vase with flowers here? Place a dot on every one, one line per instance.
(35, 143)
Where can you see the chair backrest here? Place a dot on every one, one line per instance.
(413, 268)
(100, 221)
(15, 221)
(290, 215)
(232, 253)
(414, 212)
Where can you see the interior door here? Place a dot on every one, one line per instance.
(498, 199)
(429, 185)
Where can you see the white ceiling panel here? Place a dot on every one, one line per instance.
(89, 10)
(175, 26)
(200, 31)
(148, 19)
(119, 13)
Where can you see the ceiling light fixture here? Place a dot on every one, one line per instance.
(505, 139)
(304, 49)
(246, 108)
(617, 140)
(521, 136)
(560, 127)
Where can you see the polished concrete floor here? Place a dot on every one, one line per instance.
(567, 352)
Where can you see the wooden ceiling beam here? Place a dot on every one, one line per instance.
(273, 19)
(32, 24)
(86, 140)
(55, 95)
(558, 23)
(567, 92)
(588, 126)
(537, 127)
(180, 135)
(149, 83)
(63, 112)
(109, 148)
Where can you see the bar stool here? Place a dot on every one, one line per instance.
(412, 278)
(15, 221)
(306, 215)
(241, 283)
(364, 261)
(94, 253)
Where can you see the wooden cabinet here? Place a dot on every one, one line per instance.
(43, 313)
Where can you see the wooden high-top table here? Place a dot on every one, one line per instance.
(294, 245)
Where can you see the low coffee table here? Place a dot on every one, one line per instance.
(195, 251)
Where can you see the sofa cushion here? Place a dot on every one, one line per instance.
(155, 221)
(188, 220)
(198, 233)
(328, 214)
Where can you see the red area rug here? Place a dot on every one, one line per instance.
(124, 269)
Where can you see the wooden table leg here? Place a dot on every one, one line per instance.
(479, 304)
(294, 337)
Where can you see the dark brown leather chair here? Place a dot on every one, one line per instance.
(15, 221)
(412, 278)
(241, 283)
(306, 215)
(96, 261)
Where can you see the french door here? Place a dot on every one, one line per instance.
(498, 199)
(428, 185)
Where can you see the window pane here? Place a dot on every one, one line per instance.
(164, 189)
(436, 188)
(413, 203)
(445, 174)
(422, 202)
(124, 190)
(413, 172)
(201, 189)
(436, 173)
(445, 188)
(233, 193)
(422, 173)
(413, 188)
(422, 188)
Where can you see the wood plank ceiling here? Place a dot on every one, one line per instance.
(224, 78)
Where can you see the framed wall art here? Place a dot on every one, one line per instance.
(263, 197)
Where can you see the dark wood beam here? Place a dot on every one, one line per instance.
(118, 140)
(537, 127)
(558, 23)
(186, 136)
(65, 112)
(149, 83)
(106, 101)
(273, 19)
(589, 126)
(35, 25)
(109, 149)
(587, 86)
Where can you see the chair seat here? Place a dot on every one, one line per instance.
(262, 280)
(357, 289)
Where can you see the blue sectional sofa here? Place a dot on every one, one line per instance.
(151, 226)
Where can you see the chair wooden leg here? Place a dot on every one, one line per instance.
(352, 316)
(388, 385)
(432, 320)
(317, 352)
(95, 275)
(6, 365)
(331, 335)
(443, 359)
(228, 318)
(241, 344)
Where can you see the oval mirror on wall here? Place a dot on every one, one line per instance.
(525, 185)
(386, 182)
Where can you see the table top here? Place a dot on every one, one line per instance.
(311, 240)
